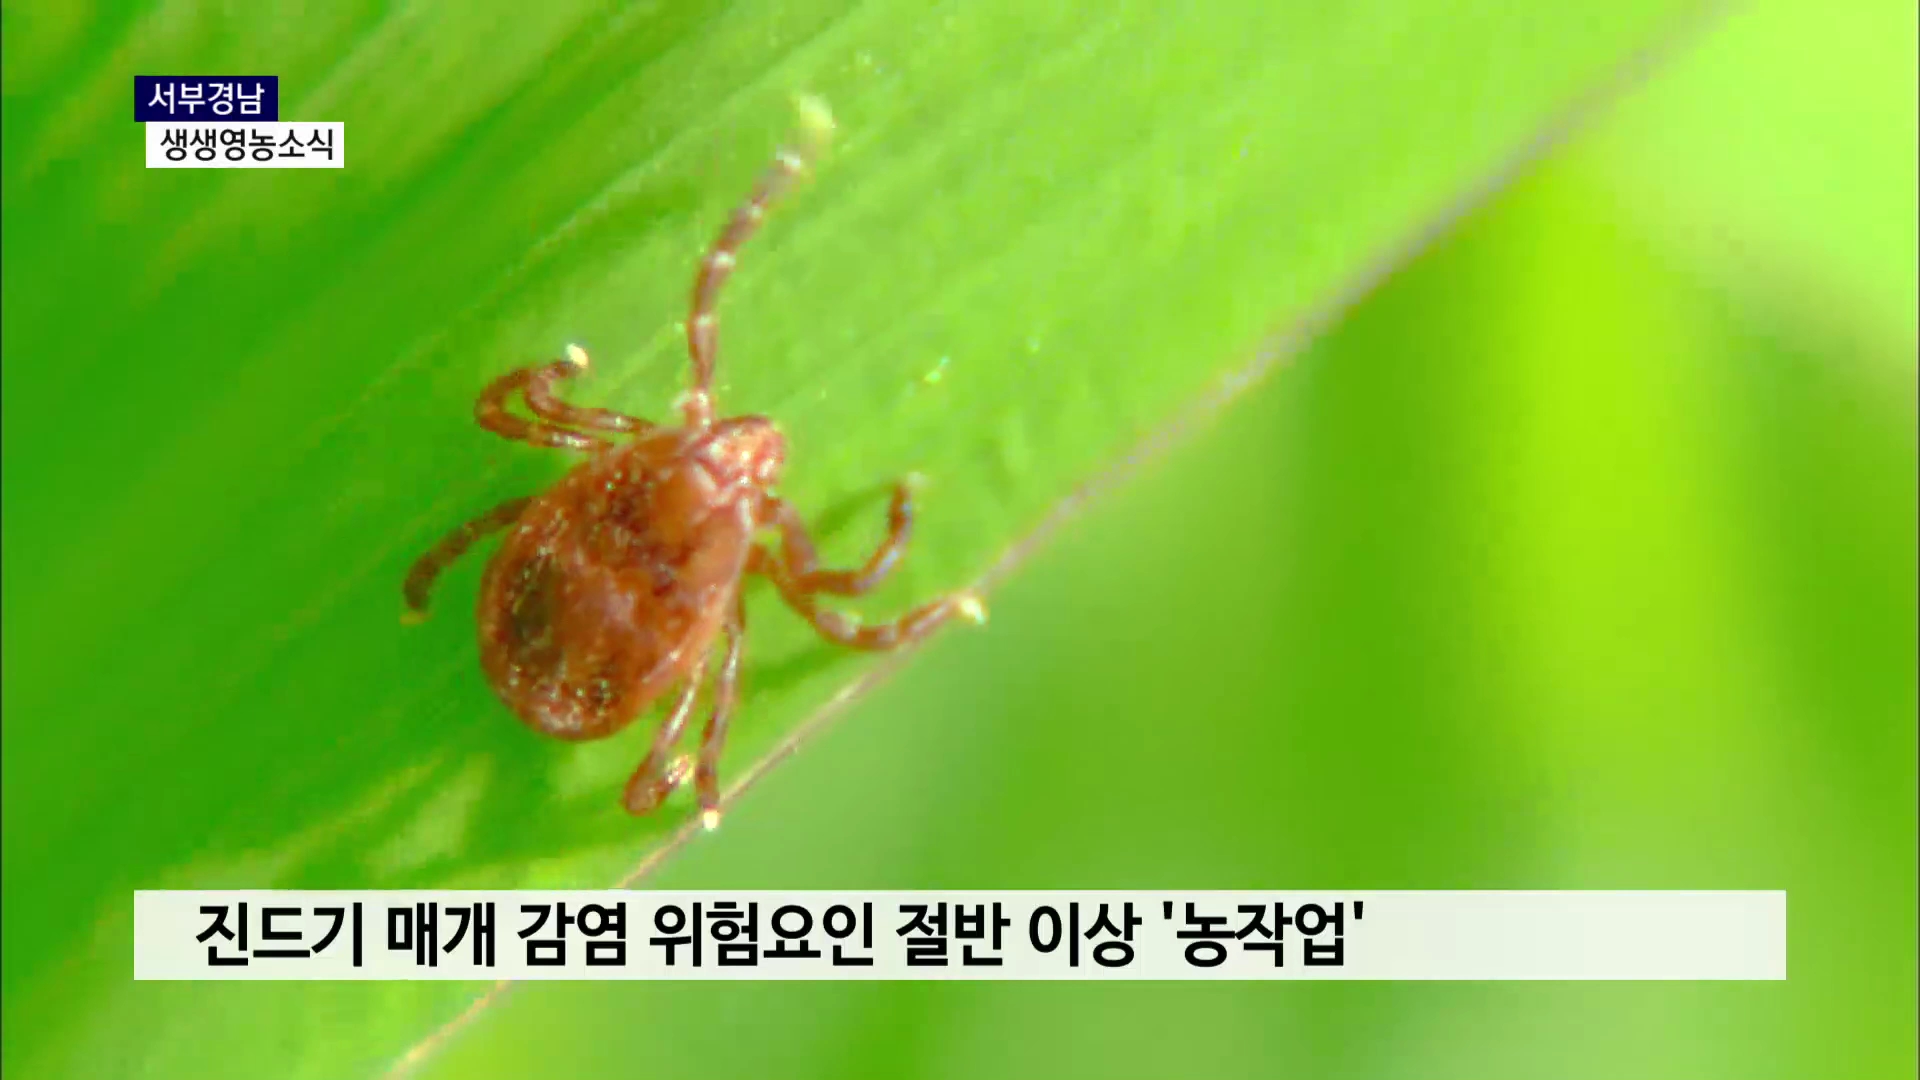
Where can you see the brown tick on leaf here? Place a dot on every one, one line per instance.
(611, 589)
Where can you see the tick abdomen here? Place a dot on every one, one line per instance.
(608, 589)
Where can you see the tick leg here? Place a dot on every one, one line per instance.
(726, 690)
(702, 323)
(420, 579)
(542, 403)
(848, 631)
(655, 779)
(803, 564)
(491, 409)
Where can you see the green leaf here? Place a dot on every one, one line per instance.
(1824, 222)
(238, 403)
(1551, 568)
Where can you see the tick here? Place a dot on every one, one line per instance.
(611, 590)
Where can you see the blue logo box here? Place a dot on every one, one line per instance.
(206, 99)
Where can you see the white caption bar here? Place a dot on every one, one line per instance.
(244, 145)
(960, 935)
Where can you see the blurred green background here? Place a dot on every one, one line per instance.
(1581, 554)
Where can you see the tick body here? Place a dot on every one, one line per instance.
(620, 586)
